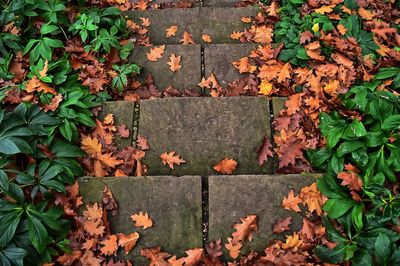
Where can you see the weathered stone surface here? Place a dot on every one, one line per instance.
(124, 113)
(221, 22)
(220, 2)
(188, 76)
(187, 19)
(278, 104)
(204, 131)
(218, 59)
(174, 204)
(233, 197)
(218, 22)
(166, 2)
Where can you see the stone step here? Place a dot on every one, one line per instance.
(221, 3)
(168, 3)
(203, 130)
(175, 206)
(188, 77)
(217, 22)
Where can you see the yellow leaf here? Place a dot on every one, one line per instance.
(90, 145)
(315, 28)
(265, 88)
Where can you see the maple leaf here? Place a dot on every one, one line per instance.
(187, 38)
(290, 153)
(98, 169)
(351, 179)
(306, 37)
(264, 151)
(89, 259)
(194, 256)
(142, 143)
(233, 247)
(34, 84)
(170, 158)
(206, 38)
(174, 62)
(226, 166)
(244, 66)
(90, 145)
(282, 225)
(145, 21)
(142, 220)
(291, 202)
(93, 211)
(110, 245)
(284, 73)
(109, 119)
(236, 35)
(93, 227)
(155, 53)
(307, 229)
(128, 242)
(292, 241)
(272, 10)
(123, 131)
(171, 31)
(324, 9)
(245, 229)
(157, 258)
(341, 29)
(265, 88)
(108, 160)
(293, 103)
(141, 5)
(312, 198)
(332, 87)
(262, 34)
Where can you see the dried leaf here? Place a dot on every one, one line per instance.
(171, 159)
(174, 62)
(226, 166)
(90, 145)
(187, 38)
(171, 31)
(128, 242)
(291, 202)
(282, 225)
(142, 220)
(110, 245)
(156, 53)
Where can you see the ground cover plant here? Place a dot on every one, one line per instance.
(337, 61)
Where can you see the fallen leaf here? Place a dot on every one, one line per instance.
(123, 131)
(194, 257)
(365, 14)
(234, 248)
(246, 19)
(90, 145)
(291, 202)
(170, 158)
(226, 166)
(244, 230)
(142, 143)
(187, 38)
(264, 151)
(156, 53)
(142, 220)
(174, 62)
(292, 241)
(157, 258)
(206, 38)
(109, 160)
(110, 245)
(128, 242)
(145, 21)
(282, 225)
(236, 35)
(171, 31)
(350, 179)
(325, 9)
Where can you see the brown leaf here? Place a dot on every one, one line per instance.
(123, 131)
(157, 258)
(233, 247)
(174, 62)
(110, 245)
(245, 229)
(171, 159)
(226, 166)
(351, 179)
(282, 225)
(142, 220)
(156, 53)
(291, 202)
(108, 160)
(264, 151)
(187, 38)
(53, 105)
(90, 145)
(128, 242)
(171, 31)
(142, 143)
(194, 257)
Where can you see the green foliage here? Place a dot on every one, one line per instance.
(371, 142)
(38, 149)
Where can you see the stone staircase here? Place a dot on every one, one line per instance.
(193, 204)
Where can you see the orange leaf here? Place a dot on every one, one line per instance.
(171, 31)
(98, 169)
(174, 62)
(351, 179)
(34, 84)
(187, 38)
(142, 143)
(226, 166)
(365, 14)
(93, 211)
(110, 245)
(108, 160)
(157, 258)
(331, 87)
(206, 38)
(284, 73)
(291, 202)
(145, 22)
(155, 53)
(324, 9)
(264, 151)
(292, 241)
(93, 227)
(142, 219)
(90, 145)
(236, 35)
(170, 158)
(128, 242)
(293, 103)
(244, 66)
(245, 229)
(53, 105)
(109, 119)
(312, 198)
(246, 19)
(233, 247)
(43, 72)
(194, 257)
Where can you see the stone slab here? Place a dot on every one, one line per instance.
(124, 113)
(204, 131)
(218, 59)
(220, 2)
(189, 76)
(233, 197)
(218, 22)
(166, 2)
(174, 204)
(278, 104)
(221, 22)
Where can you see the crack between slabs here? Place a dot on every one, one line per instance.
(204, 207)
(135, 123)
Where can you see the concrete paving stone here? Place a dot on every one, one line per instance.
(174, 205)
(220, 22)
(218, 59)
(159, 2)
(278, 104)
(187, 19)
(189, 76)
(219, 3)
(124, 113)
(234, 197)
(204, 131)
